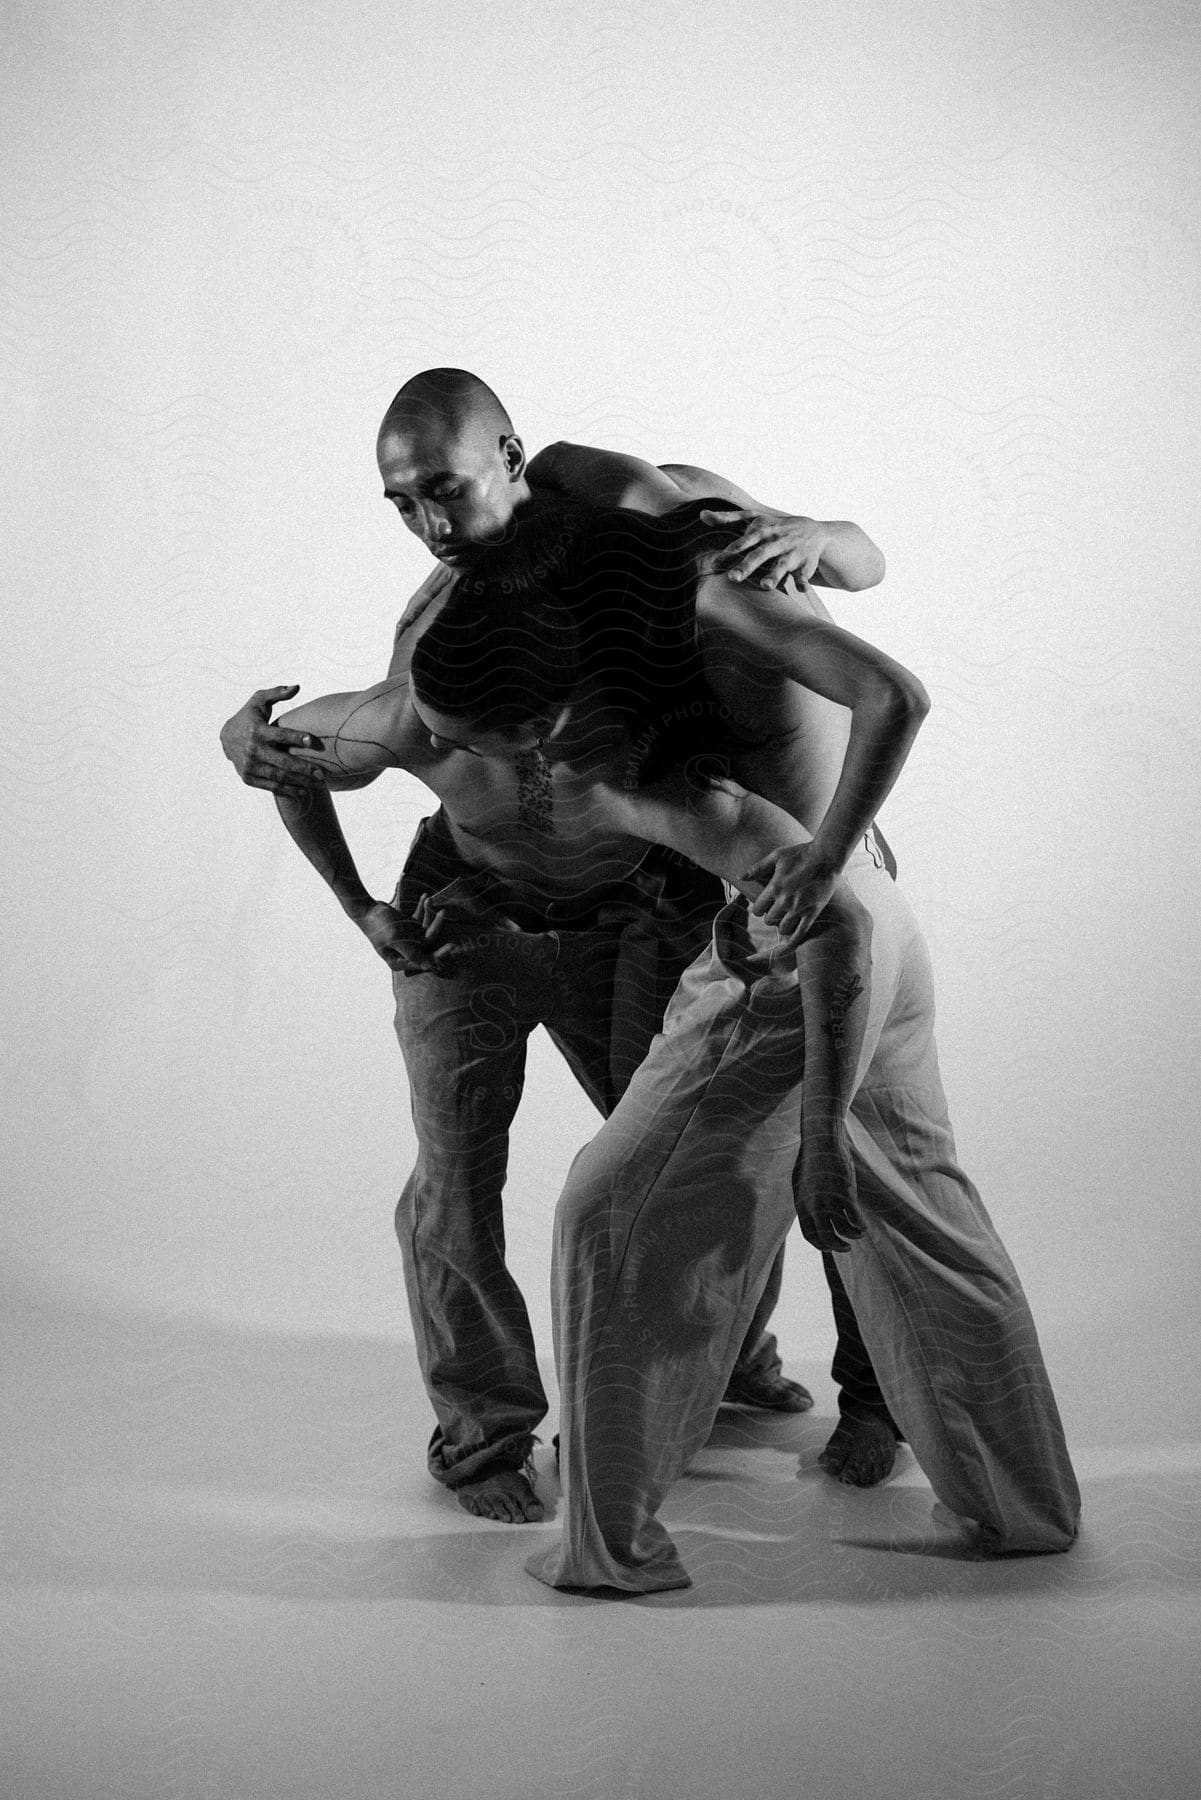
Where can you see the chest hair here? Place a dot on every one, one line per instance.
(535, 807)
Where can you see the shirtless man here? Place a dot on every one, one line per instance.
(585, 826)
(454, 493)
(673, 1211)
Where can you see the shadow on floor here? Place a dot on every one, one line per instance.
(176, 1453)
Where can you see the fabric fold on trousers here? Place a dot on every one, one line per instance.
(596, 971)
(674, 1211)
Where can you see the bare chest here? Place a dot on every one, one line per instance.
(537, 821)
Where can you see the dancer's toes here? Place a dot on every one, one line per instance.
(768, 1390)
(505, 1495)
(860, 1453)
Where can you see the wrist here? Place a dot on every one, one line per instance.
(826, 855)
(824, 866)
(355, 902)
(827, 548)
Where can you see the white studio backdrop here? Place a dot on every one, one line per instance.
(933, 267)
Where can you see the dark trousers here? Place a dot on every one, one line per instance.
(597, 976)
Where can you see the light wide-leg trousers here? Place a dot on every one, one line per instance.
(671, 1218)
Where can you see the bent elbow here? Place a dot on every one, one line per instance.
(911, 702)
(860, 566)
(867, 571)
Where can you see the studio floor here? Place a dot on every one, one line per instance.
(226, 1576)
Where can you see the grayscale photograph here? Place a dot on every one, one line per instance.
(603, 1066)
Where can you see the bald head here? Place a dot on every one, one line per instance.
(451, 463)
(447, 400)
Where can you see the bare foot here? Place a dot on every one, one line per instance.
(506, 1495)
(860, 1453)
(768, 1390)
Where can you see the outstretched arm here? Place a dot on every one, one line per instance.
(262, 752)
(351, 738)
(773, 545)
(833, 553)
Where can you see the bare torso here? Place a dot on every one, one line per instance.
(550, 826)
(563, 827)
(803, 736)
(556, 825)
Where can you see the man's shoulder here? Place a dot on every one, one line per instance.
(680, 537)
(383, 717)
(603, 478)
(564, 541)
(753, 611)
(627, 546)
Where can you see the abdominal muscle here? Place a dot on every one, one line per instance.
(559, 831)
(547, 829)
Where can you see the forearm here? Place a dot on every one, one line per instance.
(849, 559)
(767, 646)
(727, 830)
(734, 829)
(834, 971)
(312, 824)
(883, 727)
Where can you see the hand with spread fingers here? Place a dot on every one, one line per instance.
(772, 546)
(262, 752)
(453, 928)
(434, 938)
(797, 886)
(399, 941)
